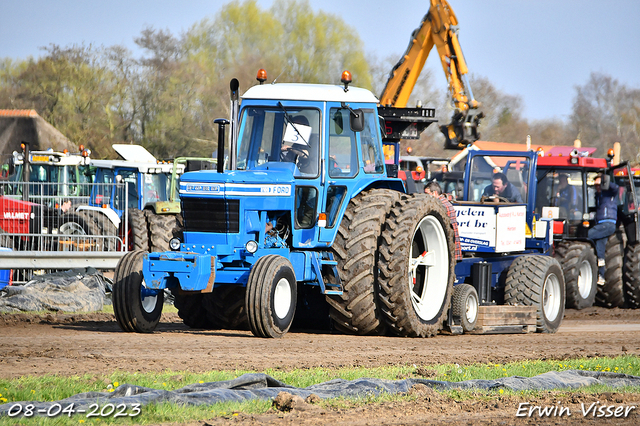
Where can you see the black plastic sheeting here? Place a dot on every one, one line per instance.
(262, 387)
(75, 290)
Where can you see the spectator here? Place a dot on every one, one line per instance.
(606, 219)
(501, 187)
(433, 188)
(65, 205)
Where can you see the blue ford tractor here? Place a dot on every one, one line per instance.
(306, 205)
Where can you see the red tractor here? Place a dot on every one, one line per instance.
(574, 215)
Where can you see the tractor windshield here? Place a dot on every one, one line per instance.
(156, 187)
(280, 134)
(503, 177)
(560, 194)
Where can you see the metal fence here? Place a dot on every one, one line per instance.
(53, 226)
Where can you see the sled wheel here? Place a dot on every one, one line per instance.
(537, 280)
(465, 306)
(270, 300)
(136, 307)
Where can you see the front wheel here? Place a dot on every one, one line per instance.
(271, 295)
(537, 280)
(580, 269)
(136, 307)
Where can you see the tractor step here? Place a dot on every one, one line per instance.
(505, 319)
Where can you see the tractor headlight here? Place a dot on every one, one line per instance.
(174, 244)
(251, 246)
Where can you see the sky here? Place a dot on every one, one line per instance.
(539, 50)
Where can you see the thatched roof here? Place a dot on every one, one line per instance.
(25, 125)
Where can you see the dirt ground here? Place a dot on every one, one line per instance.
(93, 343)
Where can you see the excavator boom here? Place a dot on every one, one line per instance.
(438, 28)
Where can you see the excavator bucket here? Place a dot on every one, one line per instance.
(463, 129)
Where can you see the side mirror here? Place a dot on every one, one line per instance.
(356, 120)
(606, 181)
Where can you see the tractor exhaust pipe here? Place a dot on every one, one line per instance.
(233, 137)
(221, 122)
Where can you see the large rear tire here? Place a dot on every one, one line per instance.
(416, 266)
(271, 296)
(161, 229)
(79, 231)
(355, 249)
(225, 307)
(631, 276)
(580, 269)
(137, 232)
(136, 307)
(536, 280)
(611, 294)
(192, 309)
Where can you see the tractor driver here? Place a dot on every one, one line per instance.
(501, 187)
(567, 195)
(298, 149)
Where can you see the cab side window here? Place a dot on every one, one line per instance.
(372, 160)
(343, 159)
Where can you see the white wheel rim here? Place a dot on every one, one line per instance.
(429, 271)
(551, 297)
(71, 228)
(148, 302)
(585, 279)
(282, 298)
(471, 308)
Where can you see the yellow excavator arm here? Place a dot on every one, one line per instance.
(438, 27)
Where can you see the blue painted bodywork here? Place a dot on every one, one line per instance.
(265, 193)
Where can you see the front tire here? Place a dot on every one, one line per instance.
(271, 295)
(416, 266)
(465, 305)
(537, 280)
(136, 307)
(580, 269)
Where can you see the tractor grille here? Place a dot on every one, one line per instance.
(211, 215)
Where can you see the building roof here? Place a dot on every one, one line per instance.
(26, 125)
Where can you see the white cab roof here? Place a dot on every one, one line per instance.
(141, 167)
(309, 92)
(134, 153)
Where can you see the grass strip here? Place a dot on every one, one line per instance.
(53, 388)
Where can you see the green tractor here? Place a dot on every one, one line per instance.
(163, 218)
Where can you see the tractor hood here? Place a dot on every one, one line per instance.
(269, 179)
